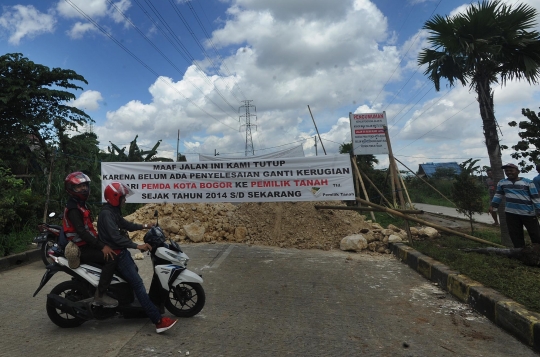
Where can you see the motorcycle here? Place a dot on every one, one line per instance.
(48, 237)
(69, 304)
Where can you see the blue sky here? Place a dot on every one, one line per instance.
(151, 75)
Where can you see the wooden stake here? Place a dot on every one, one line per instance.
(399, 182)
(375, 188)
(362, 184)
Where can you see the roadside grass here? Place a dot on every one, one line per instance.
(509, 277)
(17, 242)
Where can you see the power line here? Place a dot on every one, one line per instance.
(106, 33)
(436, 126)
(403, 57)
(209, 38)
(164, 56)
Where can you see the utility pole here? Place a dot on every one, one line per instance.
(177, 143)
(247, 118)
(315, 145)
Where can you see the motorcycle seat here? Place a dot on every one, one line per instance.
(100, 266)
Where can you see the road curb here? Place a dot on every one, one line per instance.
(14, 260)
(502, 311)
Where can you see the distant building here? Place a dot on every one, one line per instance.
(428, 169)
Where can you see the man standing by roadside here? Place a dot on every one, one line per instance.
(490, 183)
(536, 180)
(522, 205)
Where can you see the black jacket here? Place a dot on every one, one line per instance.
(110, 222)
(76, 218)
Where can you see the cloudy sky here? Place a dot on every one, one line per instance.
(158, 67)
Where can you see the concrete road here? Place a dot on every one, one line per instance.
(264, 301)
(451, 212)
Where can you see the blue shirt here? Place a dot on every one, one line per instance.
(536, 181)
(521, 197)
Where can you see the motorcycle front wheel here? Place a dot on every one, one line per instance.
(45, 246)
(70, 290)
(185, 299)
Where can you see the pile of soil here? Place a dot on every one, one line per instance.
(282, 224)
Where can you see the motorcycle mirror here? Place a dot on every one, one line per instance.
(156, 215)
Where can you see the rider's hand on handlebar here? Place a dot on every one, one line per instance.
(108, 253)
(144, 247)
(148, 225)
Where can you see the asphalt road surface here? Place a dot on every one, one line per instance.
(264, 301)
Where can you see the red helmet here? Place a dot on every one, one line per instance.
(114, 191)
(74, 179)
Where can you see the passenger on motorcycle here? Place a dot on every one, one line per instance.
(112, 227)
(84, 245)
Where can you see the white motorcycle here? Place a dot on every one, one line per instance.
(69, 304)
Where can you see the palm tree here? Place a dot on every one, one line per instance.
(489, 43)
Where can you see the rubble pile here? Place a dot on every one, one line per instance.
(281, 224)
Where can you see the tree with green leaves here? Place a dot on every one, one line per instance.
(135, 154)
(528, 148)
(34, 107)
(444, 173)
(365, 163)
(489, 43)
(466, 191)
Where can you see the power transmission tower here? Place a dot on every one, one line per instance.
(247, 117)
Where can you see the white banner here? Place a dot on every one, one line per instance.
(368, 133)
(317, 178)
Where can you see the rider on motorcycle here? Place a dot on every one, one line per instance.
(111, 226)
(80, 232)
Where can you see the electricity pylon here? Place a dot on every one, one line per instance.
(247, 117)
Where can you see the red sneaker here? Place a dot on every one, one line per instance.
(165, 324)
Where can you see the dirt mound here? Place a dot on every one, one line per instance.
(282, 224)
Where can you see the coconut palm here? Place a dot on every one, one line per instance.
(489, 43)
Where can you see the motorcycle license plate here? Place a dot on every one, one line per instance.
(40, 238)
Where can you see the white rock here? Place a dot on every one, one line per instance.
(394, 239)
(195, 232)
(430, 232)
(138, 256)
(355, 242)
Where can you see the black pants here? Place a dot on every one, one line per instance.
(94, 255)
(515, 223)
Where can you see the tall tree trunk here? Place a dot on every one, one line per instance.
(485, 101)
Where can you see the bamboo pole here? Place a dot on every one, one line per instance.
(362, 184)
(441, 228)
(397, 178)
(375, 187)
(427, 183)
(406, 192)
(322, 144)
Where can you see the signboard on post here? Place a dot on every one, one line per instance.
(367, 131)
(319, 178)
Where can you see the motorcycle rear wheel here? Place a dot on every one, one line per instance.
(185, 299)
(44, 248)
(70, 290)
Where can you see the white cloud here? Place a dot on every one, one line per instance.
(92, 8)
(88, 100)
(78, 30)
(21, 21)
(95, 9)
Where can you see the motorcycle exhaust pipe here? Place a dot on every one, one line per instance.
(78, 309)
